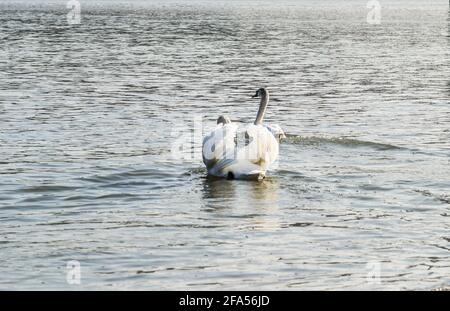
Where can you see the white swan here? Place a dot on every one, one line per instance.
(225, 155)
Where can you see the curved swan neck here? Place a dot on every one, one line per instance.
(262, 107)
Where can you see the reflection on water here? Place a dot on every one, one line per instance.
(256, 201)
(214, 188)
(265, 191)
(218, 191)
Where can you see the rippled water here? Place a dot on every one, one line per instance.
(90, 113)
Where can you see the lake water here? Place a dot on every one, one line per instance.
(90, 114)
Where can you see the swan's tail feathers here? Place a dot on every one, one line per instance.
(222, 165)
(235, 169)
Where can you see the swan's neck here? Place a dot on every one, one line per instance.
(262, 107)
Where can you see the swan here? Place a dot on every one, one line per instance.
(225, 155)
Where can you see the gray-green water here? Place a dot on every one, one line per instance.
(89, 114)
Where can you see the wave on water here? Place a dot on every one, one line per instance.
(443, 198)
(341, 141)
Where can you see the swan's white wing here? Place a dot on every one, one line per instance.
(219, 147)
(263, 147)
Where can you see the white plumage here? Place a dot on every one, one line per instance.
(228, 152)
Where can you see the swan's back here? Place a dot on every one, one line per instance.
(224, 157)
(262, 149)
(218, 145)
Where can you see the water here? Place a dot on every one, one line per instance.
(90, 113)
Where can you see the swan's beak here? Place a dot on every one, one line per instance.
(255, 96)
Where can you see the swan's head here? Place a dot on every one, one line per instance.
(262, 91)
(223, 120)
(276, 131)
